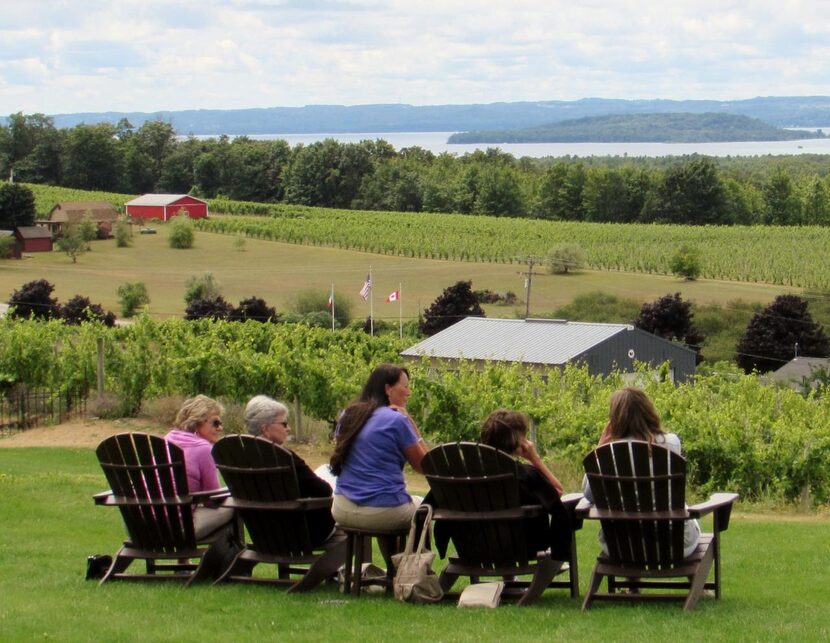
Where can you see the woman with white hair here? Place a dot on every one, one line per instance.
(267, 418)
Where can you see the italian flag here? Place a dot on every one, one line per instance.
(394, 296)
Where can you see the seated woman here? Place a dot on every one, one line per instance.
(268, 418)
(198, 427)
(507, 431)
(373, 440)
(632, 416)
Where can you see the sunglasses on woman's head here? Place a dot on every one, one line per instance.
(216, 424)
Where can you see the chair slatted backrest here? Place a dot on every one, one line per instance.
(261, 475)
(478, 479)
(635, 477)
(148, 480)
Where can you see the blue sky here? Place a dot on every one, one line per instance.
(147, 55)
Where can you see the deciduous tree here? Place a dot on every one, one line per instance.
(454, 304)
(670, 317)
(778, 333)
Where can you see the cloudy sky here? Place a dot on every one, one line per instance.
(63, 56)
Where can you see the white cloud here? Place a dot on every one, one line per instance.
(149, 55)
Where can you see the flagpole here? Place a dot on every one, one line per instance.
(371, 304)
(332, 306)
(400, 310)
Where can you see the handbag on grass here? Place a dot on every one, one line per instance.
(415, 582)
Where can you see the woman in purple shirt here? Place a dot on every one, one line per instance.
(375, 438)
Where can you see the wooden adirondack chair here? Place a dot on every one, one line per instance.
(639, 497)
(264, 490)
(476, 492)
(148, 484)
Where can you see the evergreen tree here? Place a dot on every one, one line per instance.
(772, 335)
(454, 304)
(670, 317)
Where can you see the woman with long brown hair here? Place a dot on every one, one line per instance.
(374, 438)
(632, 416)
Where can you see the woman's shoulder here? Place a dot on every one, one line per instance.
(670, 440)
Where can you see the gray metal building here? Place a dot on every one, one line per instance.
(546, 343)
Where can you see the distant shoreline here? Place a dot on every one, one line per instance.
(436, 142)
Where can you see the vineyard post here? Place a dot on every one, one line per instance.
(100, 344)
(298, 419)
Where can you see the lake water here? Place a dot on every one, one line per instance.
(437, 142)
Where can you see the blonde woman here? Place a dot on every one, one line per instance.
(198, 427)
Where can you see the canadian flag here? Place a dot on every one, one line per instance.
(394, 296)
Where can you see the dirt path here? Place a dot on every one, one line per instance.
(88, 433)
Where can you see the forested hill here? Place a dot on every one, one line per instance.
(784, 111)
(644, 128)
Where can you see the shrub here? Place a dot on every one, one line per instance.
(256, 309)
(34, 299)
(162, 410)
(79, 309)
(123, 233)
(88, 229)
(106, 406)
(131, 296)
(6, 247)
(686, 263)
(201, 287)
(316, 301)
(213, 308)
(181, 232)
(565, 258)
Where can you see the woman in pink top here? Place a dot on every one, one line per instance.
(198, 427)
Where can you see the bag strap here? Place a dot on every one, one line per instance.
(410, 541)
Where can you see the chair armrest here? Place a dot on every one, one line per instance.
(571, 499)
(101, 498)
(583, 507)
(212, 498)
(516, 513)
(570, 502)
(720, 504)
(593, 513)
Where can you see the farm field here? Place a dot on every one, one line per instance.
(278, 271)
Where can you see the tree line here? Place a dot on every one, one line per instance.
(372, 175)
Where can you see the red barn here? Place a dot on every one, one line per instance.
(166, 206)
(32, 238)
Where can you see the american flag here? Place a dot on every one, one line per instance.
(367, 286)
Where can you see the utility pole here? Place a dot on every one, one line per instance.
(528, 275)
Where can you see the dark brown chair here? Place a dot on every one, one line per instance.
(639, 497)
(476, 497)
(148, 484)
(264, 490)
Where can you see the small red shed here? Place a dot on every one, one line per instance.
(33, 238)
(166, 206)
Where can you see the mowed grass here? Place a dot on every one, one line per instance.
(774, 572)
(277, 272)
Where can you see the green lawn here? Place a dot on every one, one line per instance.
(278, 271)
(775, 572)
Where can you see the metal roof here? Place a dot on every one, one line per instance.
(535, 341)
(160, 199)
